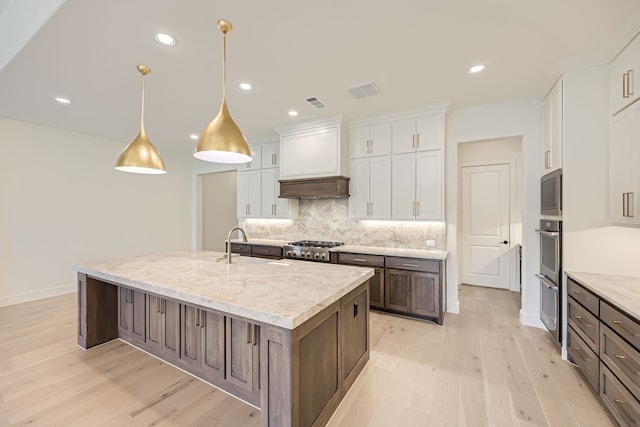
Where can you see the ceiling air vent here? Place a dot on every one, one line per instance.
(315, 103)
(363, 90)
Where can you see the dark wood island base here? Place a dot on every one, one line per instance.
(296, 377)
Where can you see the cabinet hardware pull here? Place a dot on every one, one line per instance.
(157, 305)
(355, 309)
(411, 265)
(256, 332)
(547, 162)
(413, 141)
(164, 305)
(630, 211)
(618, 356)
(625, 84)
(621, 326)
(360, 260)
(248, 333)
(625, 362)
(203, 318)
(624, 205)
(273, 209)
(577, 348)
(587, 325)
(630, 82)
(273, 159)
(623, 412)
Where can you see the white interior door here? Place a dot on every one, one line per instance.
(485, 225)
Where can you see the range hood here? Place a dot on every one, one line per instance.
(330, 187)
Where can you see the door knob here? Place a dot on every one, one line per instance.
(504, 242)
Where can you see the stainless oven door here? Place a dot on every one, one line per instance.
(550, 255)
(549, 294)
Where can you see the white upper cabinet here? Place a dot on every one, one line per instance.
(256, 162)
(370, 188)
(624, 83)
(417, 191)
(552, 129)
(313, 150)
(418, 134)
(374, 140)
(272, 205)
(270, 154)
(624, 174)
(249, 194)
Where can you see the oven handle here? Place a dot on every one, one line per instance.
(547, 232)
(545, 281)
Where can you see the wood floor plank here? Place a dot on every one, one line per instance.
(482, 368)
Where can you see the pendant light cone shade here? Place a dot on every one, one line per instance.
(222, 141)
(141, 156)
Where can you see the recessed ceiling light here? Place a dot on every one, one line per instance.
(165, 39)
(61, 100)
(194, 136)
(476, 69)
(292, 113)
(245, 86)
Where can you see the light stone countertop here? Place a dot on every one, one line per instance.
(621, 291)
(400, 252)
(283, 293)
(266, 242)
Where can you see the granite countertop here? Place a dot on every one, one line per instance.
(283, 293)
(379, 250)
(373, 250)
(621, 291)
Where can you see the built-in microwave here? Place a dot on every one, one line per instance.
(551, 193)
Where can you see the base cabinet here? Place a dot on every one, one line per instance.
(376, 289)
(131, 314)
(425, 294)
(163, 325)
(398, 290)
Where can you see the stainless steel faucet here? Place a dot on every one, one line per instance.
(244, 239)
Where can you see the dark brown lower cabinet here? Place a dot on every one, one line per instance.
(355, 326)
(425, 294)
(376, 289)
(163, 325)
(132, 314)
(243, 339)
(397, 290)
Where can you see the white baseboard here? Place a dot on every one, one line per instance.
(6, 300)
(531, 320)
(453, 307)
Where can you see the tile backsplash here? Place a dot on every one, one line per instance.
(328, 219)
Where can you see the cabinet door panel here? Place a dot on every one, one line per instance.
(380, 136)
(170, 327)
(359, 188)
(380, 187)
(429, 185)
(355, 318)
(403, 136)
(239, 353)
(154, 329)
(213, 344)
(270, 154)
(425, 294)
(139, 315)
(359, 142)
(269, 193)
(124, 310)
(376, 289)
(430, 131)
(255, 194)
(397, 290)
(404, 186)
(190, 340)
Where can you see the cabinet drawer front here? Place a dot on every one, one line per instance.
(587, 361)
(270, 251)
(621, 358)
(413, 264)
(583, 296)
(360, 259)
(616, 397)
(241, 248)
(626, 327)
(584, 323)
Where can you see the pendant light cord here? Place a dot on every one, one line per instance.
(224, 66)
(142, 108)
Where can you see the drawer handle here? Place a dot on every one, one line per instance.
(621, 325)
(623, 412)
(623, 361)
(360, 260)
(411, 265)
(586, 358)
(579, 318)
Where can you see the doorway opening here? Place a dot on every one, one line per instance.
(490, 215)
(216, 210)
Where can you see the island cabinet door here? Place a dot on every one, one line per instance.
(241, 339)
(132, 314)
(154, 330)
(397, 290)
(376, 289)
(191, 336)
(355, 321)
(163, 325)
(425, 294)
(213, 345)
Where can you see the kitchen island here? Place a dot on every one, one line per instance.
(288, 337)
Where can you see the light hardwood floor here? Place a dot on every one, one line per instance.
(481, 369)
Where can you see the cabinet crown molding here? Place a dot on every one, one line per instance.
(423, 111)
(330, 122)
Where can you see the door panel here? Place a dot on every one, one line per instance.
(425, 294)
(154, 332)
(239, 353)
(380, 190)
(139, 314)
(404, 186)
(485, 202)
(397, 290)
(190, 340)
(213, 344)
(171, 327)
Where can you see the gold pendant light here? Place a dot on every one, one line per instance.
(141, 156)
(222, 141)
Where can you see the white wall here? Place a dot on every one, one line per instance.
(62, 203)
(518, 117)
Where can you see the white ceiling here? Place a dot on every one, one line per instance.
(416, 51)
